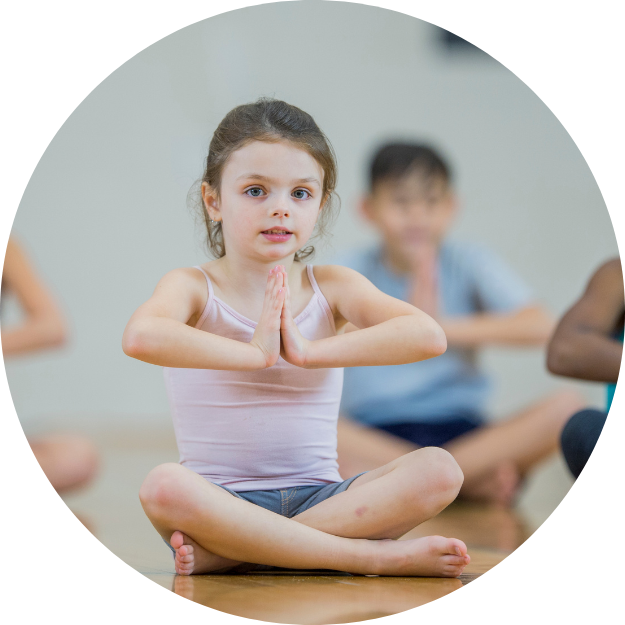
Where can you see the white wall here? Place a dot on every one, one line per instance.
(104, 215)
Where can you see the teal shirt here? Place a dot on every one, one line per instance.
(612, 387)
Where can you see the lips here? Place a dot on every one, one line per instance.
(277, 235)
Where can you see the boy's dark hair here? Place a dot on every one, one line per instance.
(395, 160)
(271, 121)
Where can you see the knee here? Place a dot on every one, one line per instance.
(579, 437)
(447, 475)
(565, 403)
(161, 490)
(444, 476)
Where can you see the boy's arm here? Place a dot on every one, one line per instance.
(391, 332)
(582, 346)
(157, 332)
(531, 325)
(43, 325)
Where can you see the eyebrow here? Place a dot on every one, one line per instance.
(266, 179)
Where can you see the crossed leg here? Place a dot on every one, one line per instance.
(493, 459)
(211, 530)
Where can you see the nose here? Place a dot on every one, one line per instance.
(280, 207)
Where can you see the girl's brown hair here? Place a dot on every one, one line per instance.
(269, 120)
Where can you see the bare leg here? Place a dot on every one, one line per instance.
(493, 459)
(180, 503)
(68, 460)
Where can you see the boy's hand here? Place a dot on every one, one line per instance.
(423, 289)
(267, 334)
(294, 346)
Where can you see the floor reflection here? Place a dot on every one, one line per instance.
(311, 599)
(478, 525)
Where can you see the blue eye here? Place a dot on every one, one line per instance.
(301, 194)
(254, 192)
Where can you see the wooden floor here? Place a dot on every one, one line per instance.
(111, 510)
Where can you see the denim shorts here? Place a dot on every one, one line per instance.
(292, 501)
(289, 501)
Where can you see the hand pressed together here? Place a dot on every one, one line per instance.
(276, 333)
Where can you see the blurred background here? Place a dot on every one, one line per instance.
(105, 214)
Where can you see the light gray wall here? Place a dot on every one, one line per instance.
(104, 215)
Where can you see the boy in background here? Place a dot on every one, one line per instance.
(478, 301)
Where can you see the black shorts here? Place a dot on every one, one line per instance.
(432, 434)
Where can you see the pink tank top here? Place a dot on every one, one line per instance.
(258, 430)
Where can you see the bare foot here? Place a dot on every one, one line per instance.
(432, 556)
(193, 559)
(498, 486)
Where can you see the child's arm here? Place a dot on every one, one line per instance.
(43, 325)
(582, 345)
(391, 332)
(158, 332)
(531, 325)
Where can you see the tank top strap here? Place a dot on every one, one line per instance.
(209, 300)
(321, 297)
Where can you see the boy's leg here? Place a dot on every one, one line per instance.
(492, 459)
(362, 448)
(182, 503)
(514, 445)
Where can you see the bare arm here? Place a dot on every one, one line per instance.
(160, 332)
(390, 332)
(582, 346)
(43, 324)
(529, 326)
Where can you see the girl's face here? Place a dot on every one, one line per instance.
(270, 198)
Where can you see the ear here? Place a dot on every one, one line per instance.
(211, 202)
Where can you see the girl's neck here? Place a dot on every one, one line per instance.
(248, 277)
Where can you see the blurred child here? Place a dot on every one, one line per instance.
(478, 301)
(588, 345)
(68, 460)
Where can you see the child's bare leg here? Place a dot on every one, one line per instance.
(176, 499)
(68, 460)
(491, 456)
(391, 500)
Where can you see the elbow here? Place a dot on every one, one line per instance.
(435, 343)
(58, 335)
(559, 359)
(52, 332)
(438, 342)
(135, 343)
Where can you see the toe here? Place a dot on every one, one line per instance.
(176, 540)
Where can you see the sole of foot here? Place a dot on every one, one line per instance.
(193, 559)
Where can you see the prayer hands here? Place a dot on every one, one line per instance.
(267, 334)
(276, 333)
(294, 345)
(423, 288)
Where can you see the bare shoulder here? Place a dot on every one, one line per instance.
(337, 276)
(181, 292)
(183, 278)
(339, 283)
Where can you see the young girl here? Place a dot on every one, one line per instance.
(253, 367)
